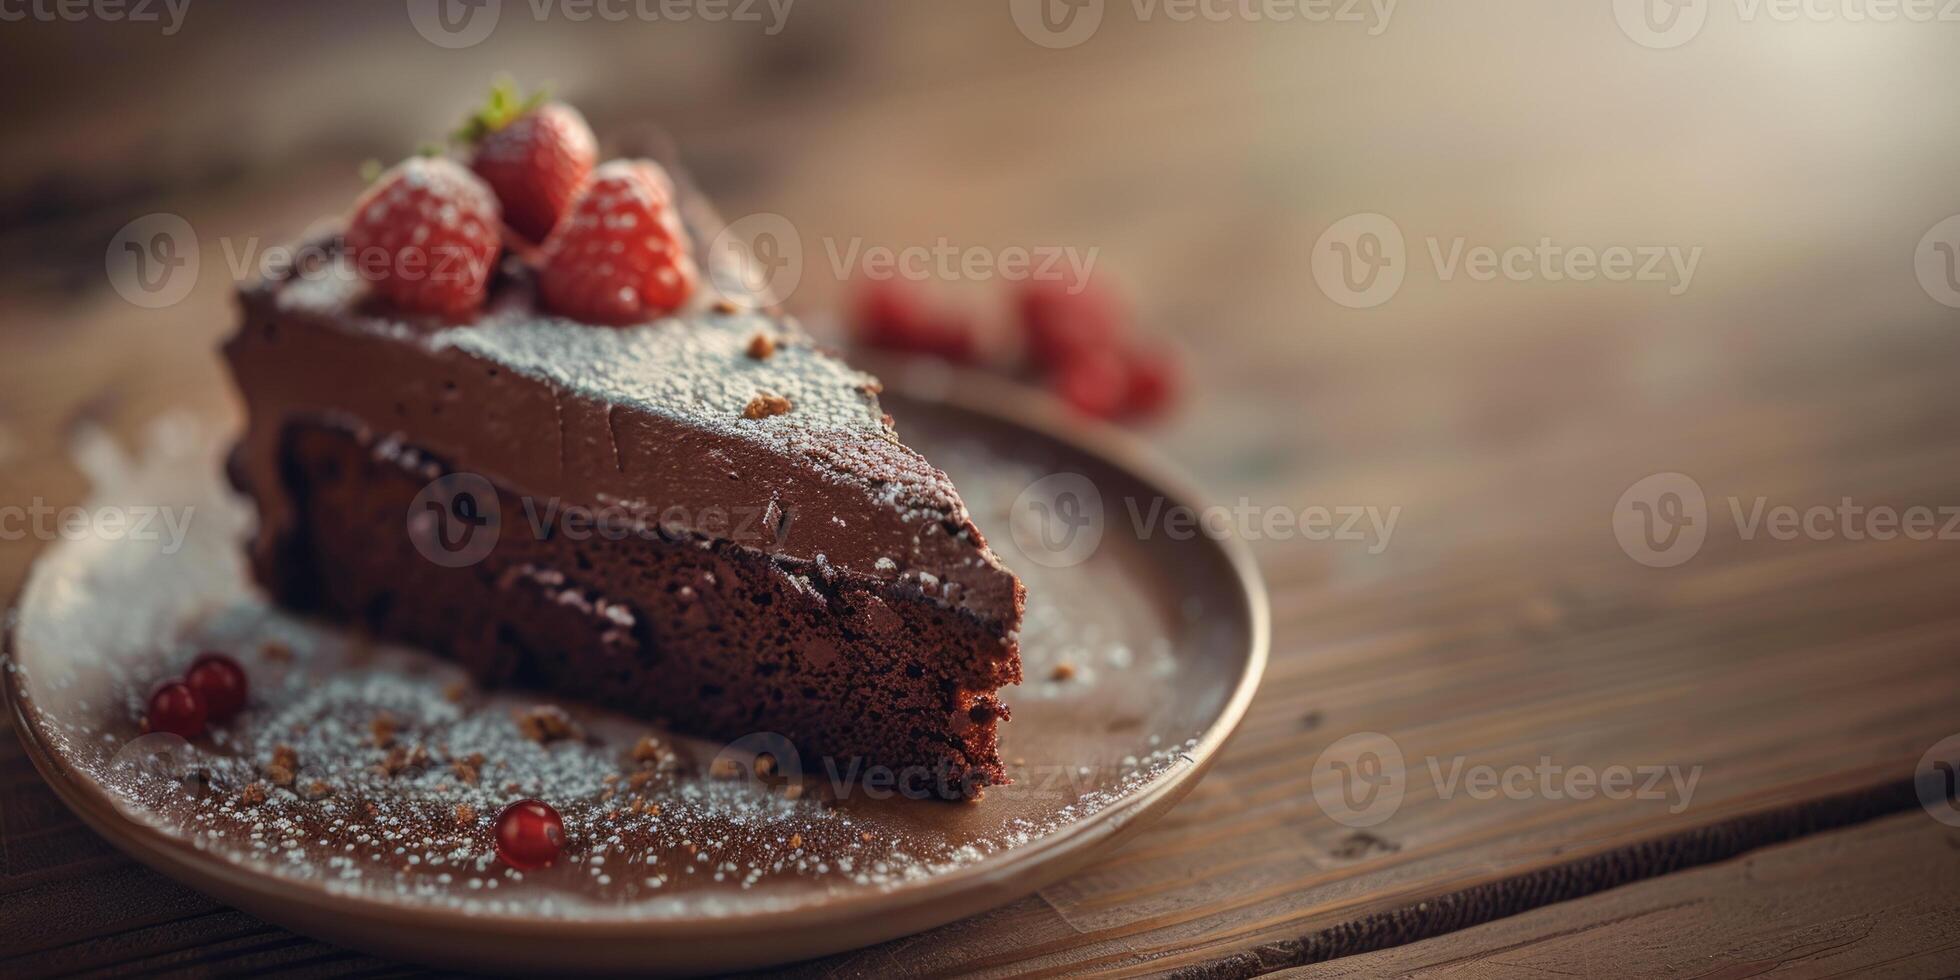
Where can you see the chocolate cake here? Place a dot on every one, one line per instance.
(703, 519)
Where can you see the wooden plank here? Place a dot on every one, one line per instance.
(1875, 900)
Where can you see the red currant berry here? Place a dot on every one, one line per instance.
(175, 708)
(529, 834)
(220, 682)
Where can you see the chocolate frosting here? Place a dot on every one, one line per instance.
(646, 421)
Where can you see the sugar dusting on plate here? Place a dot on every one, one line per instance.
(377, 771)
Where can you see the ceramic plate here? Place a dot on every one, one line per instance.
(381, 768)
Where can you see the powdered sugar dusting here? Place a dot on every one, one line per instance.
(376, 772)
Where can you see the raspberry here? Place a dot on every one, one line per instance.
(620, 256)
(426, 237)
(1059, 325)
(1096, 383)
(534, 156)
(1155, 378)
(890, 317)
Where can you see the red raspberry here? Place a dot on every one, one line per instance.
(1096, 383)
(175, 708)
(535, 162)
(220, 682)
(890, 317)
(1155, 377)
(1061, 320)
(426, 237)
(621, 255)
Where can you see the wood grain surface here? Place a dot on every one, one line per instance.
(1500, 625)
(1877, 900)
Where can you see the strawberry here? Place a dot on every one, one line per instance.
(426, 235)
(620, 256)
(534, 154)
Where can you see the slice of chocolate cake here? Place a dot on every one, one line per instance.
(702, 519)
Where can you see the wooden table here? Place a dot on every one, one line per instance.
(1502, 625)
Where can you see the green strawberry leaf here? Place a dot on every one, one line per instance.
(503, 106)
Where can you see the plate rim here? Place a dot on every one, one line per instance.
(904, 909)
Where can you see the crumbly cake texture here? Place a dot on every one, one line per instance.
(798, 572)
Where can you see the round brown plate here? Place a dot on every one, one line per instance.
(354, 797)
